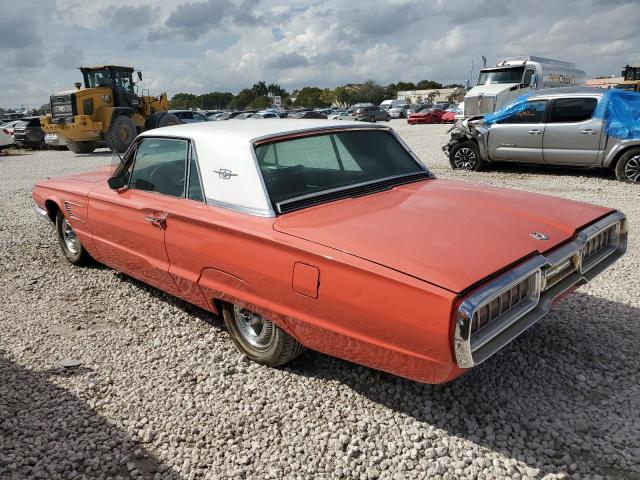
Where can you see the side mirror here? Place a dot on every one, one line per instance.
(139, 75)
(534, 81)
(116, 183)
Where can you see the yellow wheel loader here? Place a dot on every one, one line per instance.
(631, 81)
(106, 111)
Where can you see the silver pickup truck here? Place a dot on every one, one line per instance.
(556, 127)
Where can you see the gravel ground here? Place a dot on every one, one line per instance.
(162, 392)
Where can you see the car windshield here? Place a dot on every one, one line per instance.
(501, 75)
(313, 165)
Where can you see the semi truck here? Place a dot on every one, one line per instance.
(515, 76)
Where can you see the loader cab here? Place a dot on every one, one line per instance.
(118, 79)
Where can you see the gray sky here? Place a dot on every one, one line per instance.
(201, 46)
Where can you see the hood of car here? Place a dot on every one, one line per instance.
(450, 234)
(490, 89)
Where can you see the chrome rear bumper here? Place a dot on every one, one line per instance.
(473, 349)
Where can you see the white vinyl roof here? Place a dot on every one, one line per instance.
(228, 146)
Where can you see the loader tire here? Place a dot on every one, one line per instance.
(120, 134)
(81, 147)
(168, 119)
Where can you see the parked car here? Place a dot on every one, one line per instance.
(188, 116)
(399, 112)
(6, 138)
(260, 115)
(426, 115)
(28, 133)
(308, 114)
(9, 126)
(53, 140)
(451, 114)
(243, 115)
(416, 108)
(371, 114)
(211, 113)
(341, 115)
(551, 127)
(453, 291)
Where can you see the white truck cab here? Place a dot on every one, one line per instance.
(514, 76)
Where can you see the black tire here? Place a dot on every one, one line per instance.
(162, 119)
(372, 119)
(388, 119)
(81, 147)
(121, 133)
(70, 244)
(628, 166)
(466, 156)
(273, 347)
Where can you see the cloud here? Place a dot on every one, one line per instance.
(205, 45)
(130, 18)
(288, 60)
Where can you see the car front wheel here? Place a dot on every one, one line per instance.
(259, 338)
(628, 167)
(466, 156)
(69, 242)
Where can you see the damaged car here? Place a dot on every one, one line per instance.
(577, 127)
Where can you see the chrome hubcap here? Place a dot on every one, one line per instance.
(69, 237)
(632, 169)
(465, 158)
(254, 328)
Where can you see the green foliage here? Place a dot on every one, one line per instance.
(256, 97)
(310, 97)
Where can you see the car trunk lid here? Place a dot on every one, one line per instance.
(450, 234)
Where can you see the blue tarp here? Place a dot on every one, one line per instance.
(518, 105)
(618, 108)
(621, 111)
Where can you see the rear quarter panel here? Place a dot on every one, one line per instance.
(364, 312)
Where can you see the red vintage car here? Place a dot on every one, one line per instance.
(426, 115)
(333, 236)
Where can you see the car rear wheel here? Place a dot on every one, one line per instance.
(372, 119)
(69, 242)
(259, 338)
(81, 147)
(466, 156)
(388, 119)
(628, 167)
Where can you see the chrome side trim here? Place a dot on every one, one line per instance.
(239, 208)
(42, 213)
(470, 353)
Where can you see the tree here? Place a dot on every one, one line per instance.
(371, 91)
(259, 89)
(427, 85)
(310, 97)
(456, 96)
(260, 103)
(244, 98)
(433, 94)
(328, 96)
(402, 86)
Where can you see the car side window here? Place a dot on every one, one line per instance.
(566, 110)
(160, 166)
(528, 75)
(194, 187)
(533, 113)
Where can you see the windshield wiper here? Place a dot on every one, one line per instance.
(355, 190)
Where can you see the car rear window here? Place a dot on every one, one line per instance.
(572, 110)
(302, 166)
(34, 122)
(21, 124)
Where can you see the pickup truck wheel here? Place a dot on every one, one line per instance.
(628, 167)
(466, 156)
(81, 147)
(259, 338)
(70, 244)
(120, 134)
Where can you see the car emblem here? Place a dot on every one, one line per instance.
(539, 236)
(225, 173)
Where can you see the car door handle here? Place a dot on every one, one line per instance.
(588, 132)
(535, 132)
(160, 222)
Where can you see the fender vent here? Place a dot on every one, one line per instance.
(68, 206)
